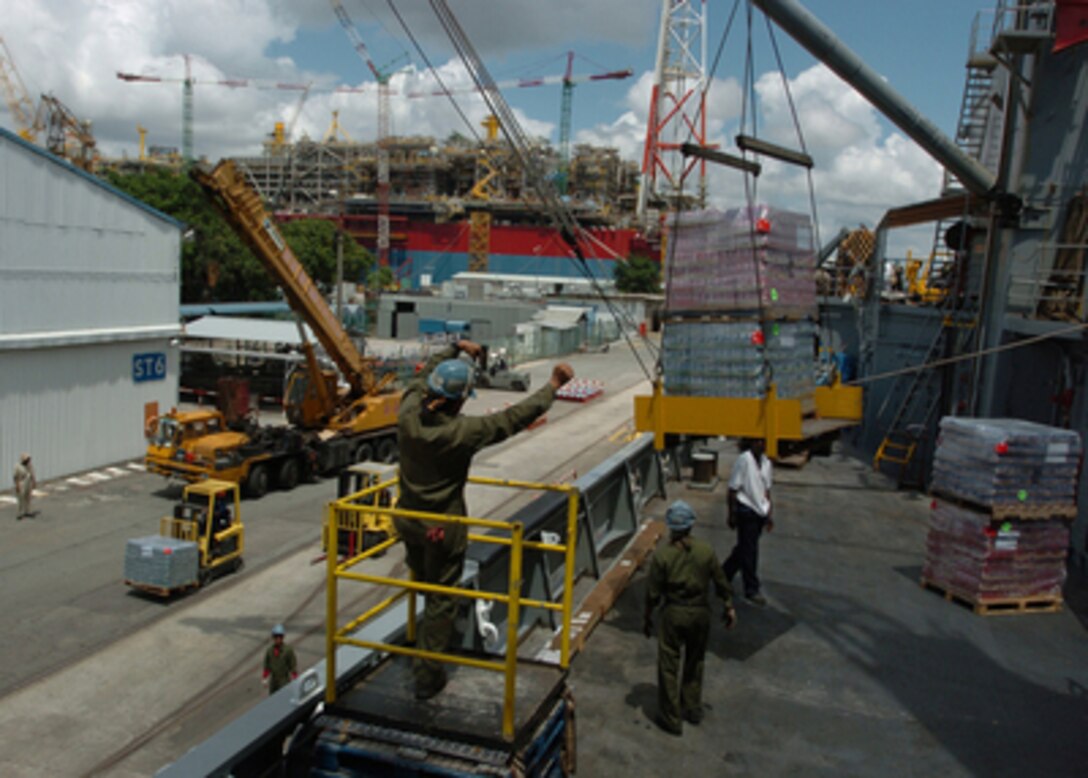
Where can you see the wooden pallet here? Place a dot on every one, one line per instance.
(997, 607)
(1038, 512)
(161, 591)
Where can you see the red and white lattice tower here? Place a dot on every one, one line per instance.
(677, 108)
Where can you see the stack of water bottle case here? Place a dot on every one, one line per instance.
(740, 298)
(999, 526)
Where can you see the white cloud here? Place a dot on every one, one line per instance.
(73, 48)
(863, 167)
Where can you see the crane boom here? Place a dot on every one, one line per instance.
(242, 207)
(15, 95)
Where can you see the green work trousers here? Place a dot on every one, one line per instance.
(686, 628)
(435, 563)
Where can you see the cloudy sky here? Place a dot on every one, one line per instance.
(74, 49)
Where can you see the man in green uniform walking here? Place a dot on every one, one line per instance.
(280, 664)
(680, 572)
(436, 449)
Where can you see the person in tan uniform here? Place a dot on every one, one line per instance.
(25, 482)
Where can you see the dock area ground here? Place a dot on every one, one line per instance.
(852, 668)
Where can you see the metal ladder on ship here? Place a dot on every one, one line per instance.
(912, 419)
(915, 414)
(971, 131)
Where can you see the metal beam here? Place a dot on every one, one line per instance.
(821, 42)
(702, 152)
(757, 146)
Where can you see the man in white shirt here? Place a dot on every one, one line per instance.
(749, 514)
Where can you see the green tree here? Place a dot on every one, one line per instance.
(639, 275)
(314, 243)
(215, 265)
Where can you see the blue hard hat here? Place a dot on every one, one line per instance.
(679, 516)
(452, 379)
(278, 630)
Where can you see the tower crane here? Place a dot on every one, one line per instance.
(566, 110)
(381, 75)
(188, 83)
(15, 95)
(65, 135)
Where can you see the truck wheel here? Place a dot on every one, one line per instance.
(387, 450)
(364, 452)
(326, 460)
(519, 386)
(257, 483)
(287, 477)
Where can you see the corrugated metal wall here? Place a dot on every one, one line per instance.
(78, 408)
(89, 278)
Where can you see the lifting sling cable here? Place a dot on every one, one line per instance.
(669, 261)
(447, 91)
(561, 218)
(817, 243)
(618, 314)
(751, 188)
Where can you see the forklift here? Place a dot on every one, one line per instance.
(204, 537)
(371, 528)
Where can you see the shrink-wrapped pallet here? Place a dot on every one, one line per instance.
(746, 262)
(163, 563)
(1008, 464)
(738, 359)
(971, 555)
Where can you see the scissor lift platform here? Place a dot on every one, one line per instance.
(379, 726)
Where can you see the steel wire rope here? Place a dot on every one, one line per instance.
(817, 242)
(751, 193)
(970, 355)
(670, 259)
(445, 89)
(620, 315)
(560, 216)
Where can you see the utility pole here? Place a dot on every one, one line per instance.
(340, 260)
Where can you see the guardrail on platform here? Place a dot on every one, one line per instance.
(612, 495)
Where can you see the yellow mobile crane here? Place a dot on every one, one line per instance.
(330, 425)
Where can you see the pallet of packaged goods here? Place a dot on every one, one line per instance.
(1009, 467)
(758, 262)
(989, 562)
(999, 525)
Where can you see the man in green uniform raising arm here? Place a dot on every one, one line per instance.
(680, 572)
(437, 444)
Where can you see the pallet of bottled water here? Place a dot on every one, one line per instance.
(1009, 467)
(738, 358)
(758, 261)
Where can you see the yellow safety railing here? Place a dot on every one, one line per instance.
(341, 515)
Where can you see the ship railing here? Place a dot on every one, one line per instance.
(994, 25)
(340, 516)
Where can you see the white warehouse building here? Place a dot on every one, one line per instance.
(89, 294)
